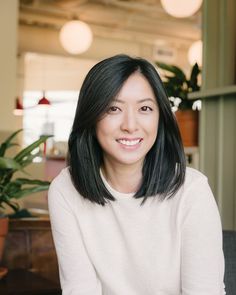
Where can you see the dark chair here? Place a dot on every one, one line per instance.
(229, 246)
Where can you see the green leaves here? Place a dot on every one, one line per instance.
(193, 83)
(177, 84)
(7, 143)
(176, 71)
(17, 189)
(11, 190)
(20, 186)
(26, 152)
(8, 163)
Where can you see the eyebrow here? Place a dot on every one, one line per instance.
(140, 101)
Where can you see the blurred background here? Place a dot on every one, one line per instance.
(41, 60)
(48, 46)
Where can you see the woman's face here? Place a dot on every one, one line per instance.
(129, 128)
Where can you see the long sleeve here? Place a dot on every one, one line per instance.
(107, 250)
(202, 260)
(77, 274)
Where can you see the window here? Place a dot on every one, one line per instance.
(55, 119)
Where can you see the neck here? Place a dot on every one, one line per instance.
(124, 179)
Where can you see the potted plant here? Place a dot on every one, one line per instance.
(13, 188)
(178, 87)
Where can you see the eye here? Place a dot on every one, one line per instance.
(113, 109)
(146, 109)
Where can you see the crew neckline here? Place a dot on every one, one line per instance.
(115, 193)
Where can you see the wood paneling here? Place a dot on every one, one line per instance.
(29, 245)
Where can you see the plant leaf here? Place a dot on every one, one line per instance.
(15, 206)
(193, 82)
(19, 187)
(8, 163)
(28, 191)
(29, 159)
(172, 69)
(23, 181)
(27, 151)
(7, 143)
(11, 188)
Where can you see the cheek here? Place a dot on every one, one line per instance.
(103, 130)
(151, 126)
(107, 126)
(99, 131)
(153, 134)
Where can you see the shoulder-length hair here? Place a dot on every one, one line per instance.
(164, 165)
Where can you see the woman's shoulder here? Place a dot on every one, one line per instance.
(63, 179)
(196, 188)
(62, 186)
(195, 182)
(194, 176)
(62, 192)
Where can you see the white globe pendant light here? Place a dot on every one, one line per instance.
(76, 37)
(195, 53)
(181, 8)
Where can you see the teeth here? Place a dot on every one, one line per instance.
(129, 142)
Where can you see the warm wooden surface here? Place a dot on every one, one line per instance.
(23, 282)
(29, 245)
(30, 224)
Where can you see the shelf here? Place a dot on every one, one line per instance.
(227, 90)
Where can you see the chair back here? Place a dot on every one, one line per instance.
(229, 247)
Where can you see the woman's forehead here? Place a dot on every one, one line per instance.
(137, 87)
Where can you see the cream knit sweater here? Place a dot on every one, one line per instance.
(171, 247)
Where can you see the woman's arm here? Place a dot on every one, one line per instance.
(202, 266)
(77, 274)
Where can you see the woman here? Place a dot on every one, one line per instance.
(127, 217)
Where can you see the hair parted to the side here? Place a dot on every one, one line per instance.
(164, 166)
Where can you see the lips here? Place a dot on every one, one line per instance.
(129, 142)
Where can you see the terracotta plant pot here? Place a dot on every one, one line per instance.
(3, 232)
(188, 125)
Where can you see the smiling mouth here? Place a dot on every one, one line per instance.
(132, 142)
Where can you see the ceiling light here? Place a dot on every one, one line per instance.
(195, 53)
(43, 103)
(181, 8)
(76, 37)
(18, 111)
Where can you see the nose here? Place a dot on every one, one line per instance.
(129, 122)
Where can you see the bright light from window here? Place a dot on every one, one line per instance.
(57, 118)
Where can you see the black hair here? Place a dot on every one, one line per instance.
(164, 166)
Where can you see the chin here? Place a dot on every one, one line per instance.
(130, 161)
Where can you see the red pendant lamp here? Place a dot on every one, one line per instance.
(44, 101)
(18, 111)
